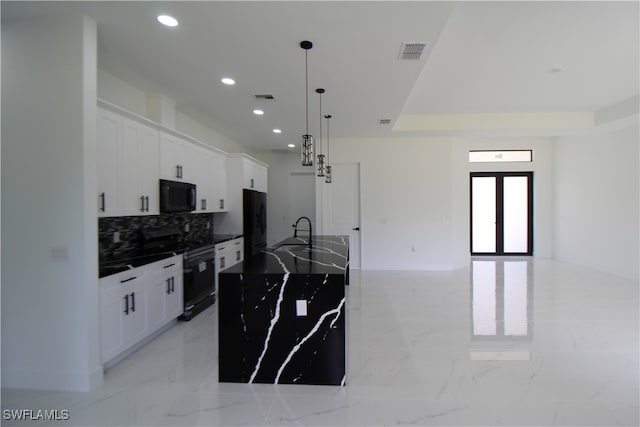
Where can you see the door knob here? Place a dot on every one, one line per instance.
(356, 229)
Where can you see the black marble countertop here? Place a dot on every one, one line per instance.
(326, 255)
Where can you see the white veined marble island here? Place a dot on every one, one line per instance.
(282, 314)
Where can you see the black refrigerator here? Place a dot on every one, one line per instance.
(254, 222)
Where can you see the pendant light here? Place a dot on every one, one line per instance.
(327, 169)
(320, 156)
(306, 148)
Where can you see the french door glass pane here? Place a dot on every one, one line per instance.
(515, 214)
(483, 205)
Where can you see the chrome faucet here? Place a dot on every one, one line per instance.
(295, 233)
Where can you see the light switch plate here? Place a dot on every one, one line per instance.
(116, 237)
(301, 307)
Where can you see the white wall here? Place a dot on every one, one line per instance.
(596, 201)
(281, 194)
(50, 332)
(405, 201)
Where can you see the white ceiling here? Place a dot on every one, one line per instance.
(492, 58)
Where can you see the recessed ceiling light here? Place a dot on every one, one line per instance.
(277, 131)
(291, 145)
(167, 20)
(258, 112)
(228, 81)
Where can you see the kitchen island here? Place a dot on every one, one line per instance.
(282, 314)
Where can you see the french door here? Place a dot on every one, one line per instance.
(501, 213)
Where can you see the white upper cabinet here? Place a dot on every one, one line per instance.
(220, 182)
(205, 180)
(140, 169)
(178, 161)
(255, 176)
(127, 166)
(134, 153)
(252, 172)
(109, 128)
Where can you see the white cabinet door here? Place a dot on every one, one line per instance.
(149, 167)
(165, 292)
(228, 254)
(137, 326)
(205, 179)
(174, 302)
(109, 129)
(112, 318)
(222, 256)
(139, 160)
(123, 312)
(177, 161)
(260, 173)
(220, 183)
(255, 176)
(236, 251)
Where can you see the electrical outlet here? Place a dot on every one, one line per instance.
(116, 237)
(186, 228)
(301, 307)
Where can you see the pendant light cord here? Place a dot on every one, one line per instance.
(306, 88)
(328, 145)
(320, 93)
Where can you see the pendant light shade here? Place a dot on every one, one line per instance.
(327, 168)
(306, 147)
(320, 161)
(307, 150)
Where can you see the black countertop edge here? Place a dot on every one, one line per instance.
(221, 238)
(118, 266)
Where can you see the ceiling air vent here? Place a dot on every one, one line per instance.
(412, 50)
(265, 96)
(384, 121)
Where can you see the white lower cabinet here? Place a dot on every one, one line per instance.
(228, 254)
(136, 303)
(165, 293)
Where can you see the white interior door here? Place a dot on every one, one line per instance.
(341, 206)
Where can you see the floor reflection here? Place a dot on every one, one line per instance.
(501, 300)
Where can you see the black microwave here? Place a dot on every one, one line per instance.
(177, 196)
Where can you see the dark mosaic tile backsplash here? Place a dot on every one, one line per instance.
(129, 227)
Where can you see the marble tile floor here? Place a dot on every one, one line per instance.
(514, 342)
